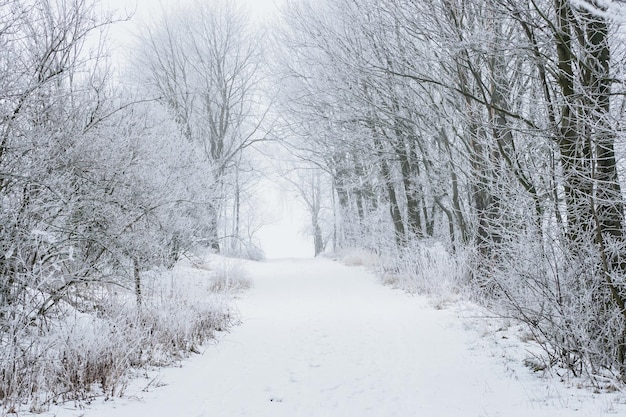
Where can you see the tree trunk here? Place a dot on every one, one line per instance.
(137, 277)
(213, 240)
(394, 207)
(595, 209)
(407, 167)
(575, 150)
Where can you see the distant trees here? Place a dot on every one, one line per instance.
(203, 63)
(490, 125)
(312, 187)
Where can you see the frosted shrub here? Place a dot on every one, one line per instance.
(565, 305)
(427, 268)
(243, 250)
(77, 355)
(178, 324)
(76, 358)
(90, 352)
(229, 275)
(359, 257)
(21, 368)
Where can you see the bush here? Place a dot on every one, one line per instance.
(244, 250)
(426, 268)
(229, 275)
(565, 303)
(77, 355)
(359, 257)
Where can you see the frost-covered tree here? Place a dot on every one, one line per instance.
(491, 125)
(203, 62)
(96, 185)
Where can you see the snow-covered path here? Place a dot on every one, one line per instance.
(322, 339)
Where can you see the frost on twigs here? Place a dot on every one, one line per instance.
(83, 351)
(427, 268)
(241, 249)
(358, 257)
(229, 275)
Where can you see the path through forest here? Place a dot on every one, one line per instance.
(322, 339)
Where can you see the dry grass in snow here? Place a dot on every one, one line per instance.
(358, 257)
(85, 352)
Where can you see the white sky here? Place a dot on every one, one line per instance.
(142, 10)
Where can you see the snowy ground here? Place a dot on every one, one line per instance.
(322, 339)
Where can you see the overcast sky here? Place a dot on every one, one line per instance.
(143, 8)
(121, 35)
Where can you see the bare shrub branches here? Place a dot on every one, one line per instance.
(98, 188)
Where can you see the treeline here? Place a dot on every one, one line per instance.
(104, 178)
(493, 126)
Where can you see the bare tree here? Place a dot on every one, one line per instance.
(490, 125)
(203, 62)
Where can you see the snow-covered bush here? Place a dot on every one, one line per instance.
(75, 357)
(427, 268)
(555, 294)
(181, 317)
(241, 249)
(85, 349)
(229, 275)
(359, 257)
(90, 355)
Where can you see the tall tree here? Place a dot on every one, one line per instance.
(203, 61)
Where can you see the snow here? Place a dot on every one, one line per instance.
(319, 338)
